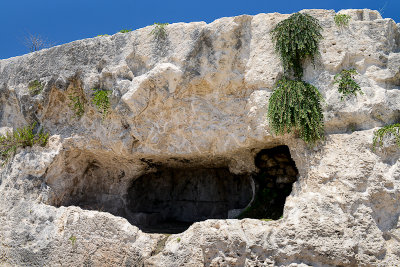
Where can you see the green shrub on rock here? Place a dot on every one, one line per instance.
(297, 38)
(159, 31)
(393, 129)
(101, 101)
(35, 87)
(347, 85)
(20, 138)
(296, 106)
(342, 20)
(77, 103)
(125, 30)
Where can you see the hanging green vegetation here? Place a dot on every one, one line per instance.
(296, 106)
(101, 101)
(20, 138)
(342, 20)
(347, 85)
(159, 31)
(35, 87)
(393, 129)
(297, 38)
(77, 102)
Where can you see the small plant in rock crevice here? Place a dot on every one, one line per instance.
(77, 102)
(342, 20)
(297, 38)
(379, 135)
(125, 30)
(73, 240)
(159, 31)
(20, 138)
(35, 87)
(347, 85)
(266, 220)
(101, 101)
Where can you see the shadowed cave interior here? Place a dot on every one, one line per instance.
(170, 199)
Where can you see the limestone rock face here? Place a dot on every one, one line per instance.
(198, 98)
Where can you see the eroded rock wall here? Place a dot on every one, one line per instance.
(199, 98)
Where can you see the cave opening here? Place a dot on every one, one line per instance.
(274, 180)
(173, 198)
(170, 199)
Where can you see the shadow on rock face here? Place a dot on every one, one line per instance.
(187, 195)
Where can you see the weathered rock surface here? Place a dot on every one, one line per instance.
(199, 98)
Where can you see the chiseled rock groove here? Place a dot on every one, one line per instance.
(199, 99)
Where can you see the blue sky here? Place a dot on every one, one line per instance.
(63, 21)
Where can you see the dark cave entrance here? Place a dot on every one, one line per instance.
(274, 181)
(171, 199)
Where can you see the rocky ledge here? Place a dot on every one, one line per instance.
(188, 118)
